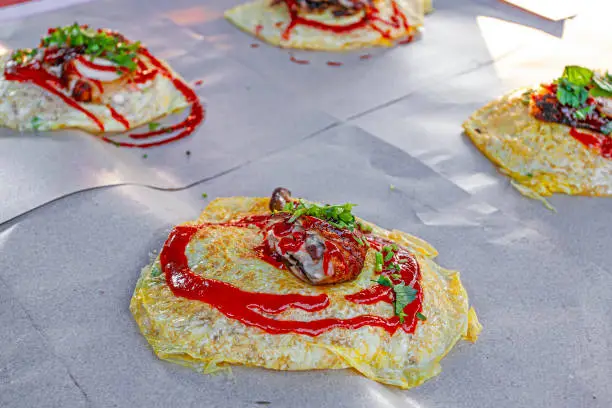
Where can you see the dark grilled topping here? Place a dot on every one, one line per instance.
(339, 8)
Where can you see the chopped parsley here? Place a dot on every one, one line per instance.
(384, 280)
(577, 75)
(571, 94)
(155, 272)
(339, 216)
(36, 122)
(577, 83)
(144, 156)
(24, 55)
(389, 256)
(204, 195)
(154, 126)
(404, 295)
(606, 129)
(582, 113)
(95, 43)
(364, 228)
(604, 83)
(421, 316)
(379, 262)
(526, 97)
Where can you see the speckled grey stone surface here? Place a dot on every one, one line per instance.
(74, 264)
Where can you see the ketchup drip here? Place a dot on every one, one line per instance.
(597, 141)
(118, 117)
(36, 74)
(546, 107)
(409, 272)
(247, 307)
(371, 16)
(187, 126)
(50, 83)
(298, 61)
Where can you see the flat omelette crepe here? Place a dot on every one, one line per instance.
(331, 25)
(552, 138)
(217, 296)
(94, 80)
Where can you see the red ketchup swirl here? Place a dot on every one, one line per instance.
(249, 307)
(370, 19)
(36, 74)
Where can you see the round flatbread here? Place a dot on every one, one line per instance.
(383, 24)
(223, 252)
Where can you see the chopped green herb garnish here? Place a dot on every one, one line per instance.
(155, 272)
(395, 266)
(154, 126)
(364, 228)
(391, 187)
(379, 262)
(526, 97)
(144, 156)
(24, 55)
(396, 276)
(339, 216)
(577, 75)
(603, 82)
(421, 316)
(36, 122)
(571, 94)
(529, 174)
(384, 280)
(389, 256)
(607, 128)
(359, 240)
(596, 92)
(95, 43)
(404, 295)
(582, 113)
(204, 195)
(386, 248)
(576, 83)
